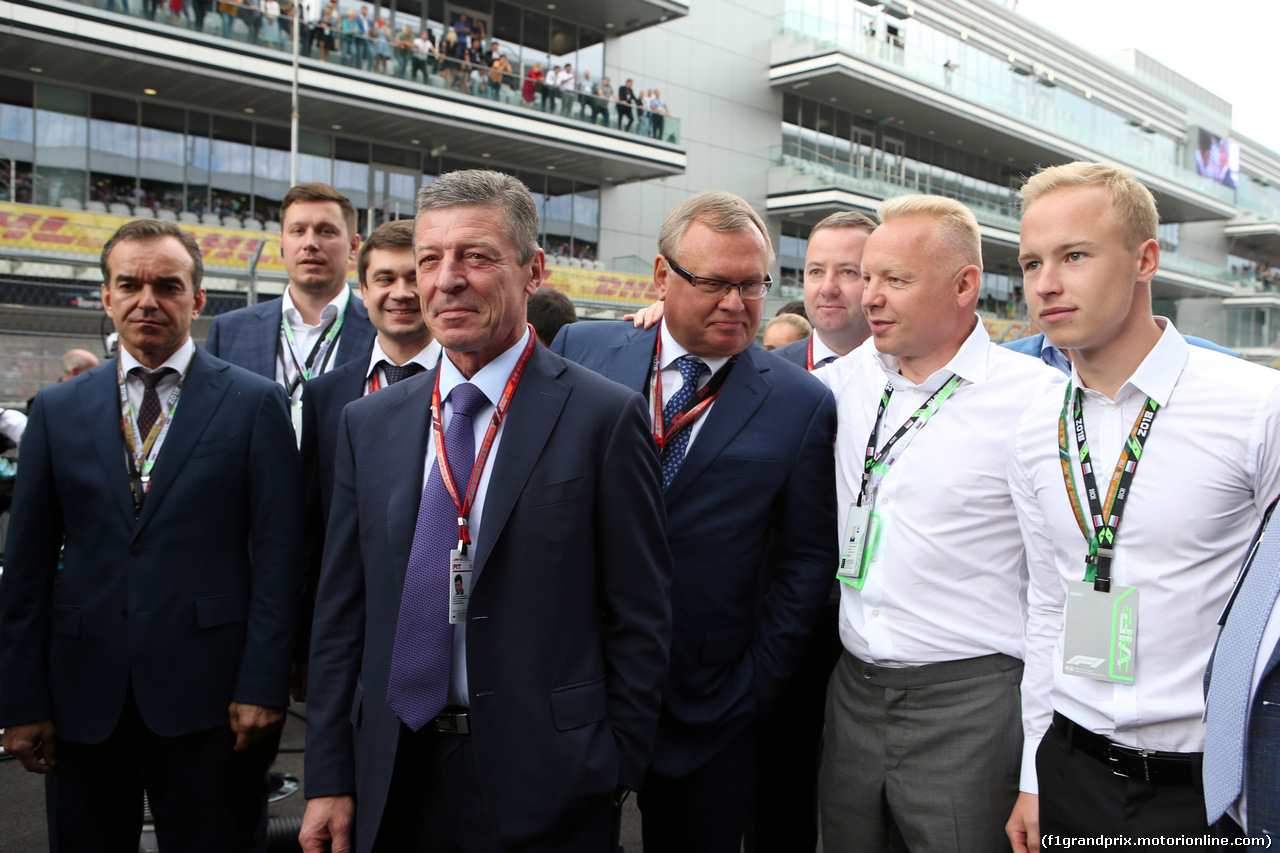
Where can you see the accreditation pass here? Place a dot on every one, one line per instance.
(858, 531)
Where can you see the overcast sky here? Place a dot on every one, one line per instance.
(1230, 48)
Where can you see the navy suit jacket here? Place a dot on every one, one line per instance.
(1033, 344)
(751, 519)
(796, 352)
(193, 603)
(249, 337)
(1262, 733)
(570, 614)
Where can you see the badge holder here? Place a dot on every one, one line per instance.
(1100, 639)
(460, 574)
(861, 538)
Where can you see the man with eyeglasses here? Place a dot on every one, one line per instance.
(748, 483)
(923, 738)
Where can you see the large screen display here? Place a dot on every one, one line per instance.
(1218, 158)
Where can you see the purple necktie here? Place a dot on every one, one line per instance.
(422, 657)
(149, 411)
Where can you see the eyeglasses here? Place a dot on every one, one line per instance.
(716, 287)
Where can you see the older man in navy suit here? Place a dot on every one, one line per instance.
(750, 492)
(315, 325)
(157, 659)
(516, 714)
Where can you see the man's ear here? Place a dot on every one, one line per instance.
(661, 274)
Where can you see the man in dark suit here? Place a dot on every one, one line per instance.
(750, 496)
(435, 718)
(403, 348)
(1242, 691)
(315, 325)
(157, 659)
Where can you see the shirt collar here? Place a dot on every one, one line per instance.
(490, 379)
(1158, 372)
(1053, 356)
(821, 350)
(428, 356)
(969, 362)
(294, 317)
(178, 361)
(672, 350)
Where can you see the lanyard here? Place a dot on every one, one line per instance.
(375, 381)
(809, 358)
(690, 412)
(326, 341)
(877, 464)
(1105, 522)
(465, 503)
(142, 451)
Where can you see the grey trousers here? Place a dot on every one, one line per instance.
(921, 758)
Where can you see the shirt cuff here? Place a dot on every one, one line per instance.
(1028, 783)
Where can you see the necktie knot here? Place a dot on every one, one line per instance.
(150, 379)
(397, 372)
(691, 369)
(467, 399)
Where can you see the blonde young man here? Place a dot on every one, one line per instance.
(1126, 583)
(922, 744)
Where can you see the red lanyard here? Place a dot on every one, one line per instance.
(464, 505)
(375, 383)
(809, 358)
(698, 403)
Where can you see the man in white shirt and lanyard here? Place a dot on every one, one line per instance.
(315, 325)
(435, 717)
(403, 348)
(922, 743)
(1126, 582)
(156, 657)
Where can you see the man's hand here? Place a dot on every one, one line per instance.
(1023, 827)
(251, 722)
(326, 825)
(647, 317)
(33, 744)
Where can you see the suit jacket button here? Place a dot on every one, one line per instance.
(136, 549)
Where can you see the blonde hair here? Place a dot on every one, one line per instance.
(956, 224)
(845, 219)
(1134, 206)
(718, 210)
(795, 321)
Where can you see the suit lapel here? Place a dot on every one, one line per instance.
(535, 409)
(742, 393)
(263, 356)
(100, 399)
(202, 393)
(357, 332)
(408, 420)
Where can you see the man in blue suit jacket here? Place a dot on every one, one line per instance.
(751, 514)
(1038, 345)
(1243, 675)
(175, 607)
(527, 736)
(315, 325)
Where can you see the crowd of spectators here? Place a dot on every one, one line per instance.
(1263, 274)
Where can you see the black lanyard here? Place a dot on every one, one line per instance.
(1105, 522)
(329, 334)
(879, 463)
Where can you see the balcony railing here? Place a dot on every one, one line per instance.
(1035, 112)
(396, 56)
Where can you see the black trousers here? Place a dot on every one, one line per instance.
(1080, 796)
(205, 797)
(706, 811)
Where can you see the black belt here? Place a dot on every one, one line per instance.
(1149, 765)
(453, 721)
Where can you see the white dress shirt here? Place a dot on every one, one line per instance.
(12, 425)
(821, 351)
(134, 388)
(1209, 468)
(672, 381)
(491, 380)
(428, 357)
(306, 336)
(948, 579)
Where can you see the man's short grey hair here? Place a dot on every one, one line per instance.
(474, 187)
(718, 210)
(957, 227)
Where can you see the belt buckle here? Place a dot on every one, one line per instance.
(453, 723)
(1117, 751)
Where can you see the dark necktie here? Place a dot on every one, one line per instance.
(824, 362)
(149, 411)
(396, 372)
(422, 657)
(690, 367)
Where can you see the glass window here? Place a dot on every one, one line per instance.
(351, 172)
(62, 129)
(198, 159)
(113, 151)
(161, 144)
(270, 170)
(231, 164)
(17, 138)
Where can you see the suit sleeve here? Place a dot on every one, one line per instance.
(636, 568)
(26, 587)
(211, 342)
(803, 557)
(337, 636)
(275, 518)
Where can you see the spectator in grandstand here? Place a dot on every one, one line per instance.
(785, 329)
(1191, 435)
(627, 98)
(917, 516)
(549, 311)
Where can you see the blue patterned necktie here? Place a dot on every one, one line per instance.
(397, 372)
(1233, 663)
(691, 368)
(422, 657)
